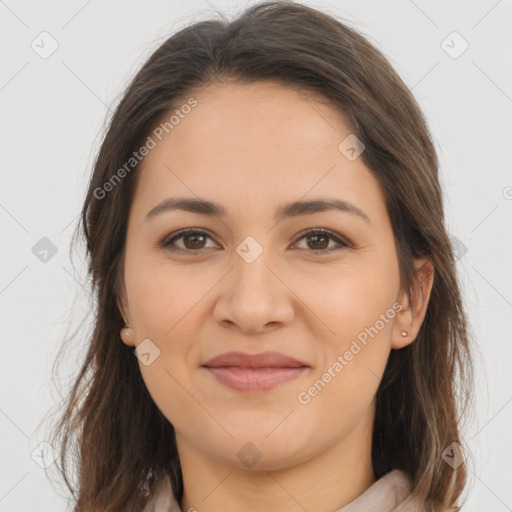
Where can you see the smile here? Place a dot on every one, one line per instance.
(254, 372)
(254, 379)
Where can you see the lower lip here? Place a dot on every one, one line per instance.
(254, 379)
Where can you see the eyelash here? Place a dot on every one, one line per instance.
(166, 244)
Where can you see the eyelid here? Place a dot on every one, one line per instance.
(339, 239)
(167, 241)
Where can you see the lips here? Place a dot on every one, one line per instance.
(254, 372)
(261, 360)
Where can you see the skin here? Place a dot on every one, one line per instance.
(197, 305)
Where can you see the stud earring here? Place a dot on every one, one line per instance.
(128, 331)
(404, 333)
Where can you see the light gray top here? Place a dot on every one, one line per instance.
(388, 494)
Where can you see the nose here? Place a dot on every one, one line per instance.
(254, 296)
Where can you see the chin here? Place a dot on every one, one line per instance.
(262, 448)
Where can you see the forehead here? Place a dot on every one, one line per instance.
(264, 142)
(263, 113)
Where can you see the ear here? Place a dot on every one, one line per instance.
(412, 313)
(127, 334)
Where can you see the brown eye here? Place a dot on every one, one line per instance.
(318, 241)
(192, 241)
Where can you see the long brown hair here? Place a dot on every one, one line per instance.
(121, 444)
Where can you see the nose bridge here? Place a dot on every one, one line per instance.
(253, 296)
(251, 272)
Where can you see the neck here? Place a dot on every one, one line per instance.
(324, 482)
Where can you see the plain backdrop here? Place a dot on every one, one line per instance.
(64, 64)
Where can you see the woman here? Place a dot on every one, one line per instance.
(265, 233)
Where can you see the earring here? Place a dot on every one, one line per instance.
(128, 331)
(404, 333)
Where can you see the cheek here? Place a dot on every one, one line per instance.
(163, 383)
(348, 299)
(357, 307)
(162, 294)
(162, 299)
(343, 386)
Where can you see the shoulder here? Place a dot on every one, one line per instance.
(163, 499)
(390, 493)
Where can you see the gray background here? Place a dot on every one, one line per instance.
(53, 113)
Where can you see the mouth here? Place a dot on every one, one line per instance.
(254, 372)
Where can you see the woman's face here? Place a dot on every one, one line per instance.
(254, 279)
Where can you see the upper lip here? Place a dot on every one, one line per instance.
(261, 360)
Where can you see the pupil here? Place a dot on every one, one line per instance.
(194, 244)
(320, 236)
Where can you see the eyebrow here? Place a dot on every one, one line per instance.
(288, 210)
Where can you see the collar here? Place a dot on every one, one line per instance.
(388, 494)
